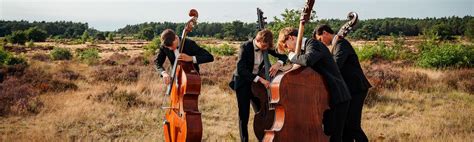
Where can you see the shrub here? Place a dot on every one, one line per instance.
(117, 74)
(30, 44)
(110, 37)
(40, 57)
(447, 55)
(380, 51)
(138, 60)
(460, 79)
(100, 36)
(150, 48)
(15, 60)
(119, 58)
(89, 56)
(223, 50)
(60, 86)
(15, 97)
(3, 41)
(17, 37)
(61, 54)
(414, 81)
(35, 34)
(121, 98)
(146, 34)
(382, 77)
(7, 58)
(85, 36)
(19, 91)
(3, 55)
(67, 74)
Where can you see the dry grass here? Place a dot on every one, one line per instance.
(415, 116)
(123, 102)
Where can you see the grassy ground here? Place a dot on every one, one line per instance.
(122, 102)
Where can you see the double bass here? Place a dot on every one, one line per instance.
(345, 29)
(299, 98)
(263, 117)
(182, 120)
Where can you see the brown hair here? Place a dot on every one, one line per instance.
(167, 37)
(285, 33)
(266, 36)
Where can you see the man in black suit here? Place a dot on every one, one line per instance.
(170, 48)
(348, 63)
(251, 61)
(317, 56)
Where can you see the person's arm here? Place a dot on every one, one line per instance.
(200, 55)
(311, 56)
(159, 60)
(282, 58)
(243, 65)
(341, 53)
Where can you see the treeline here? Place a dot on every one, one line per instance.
(59, 29)
(19, 32)
(445, 28)
(371, 29)
(235, 30)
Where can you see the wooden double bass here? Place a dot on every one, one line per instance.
(345, 29)
(182, 120)
(299, 98)
(264, 115)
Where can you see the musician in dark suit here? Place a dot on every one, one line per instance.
(250, 62)
(170, 49)
(317, 56)
(349, 66)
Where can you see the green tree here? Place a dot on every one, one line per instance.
(17, 37)
(147, 34)
(100, 36)
(35, 34)
(443, 31)
(291, 18)
(110, 37)
(469, 33)
(85, 36)
(367, 32)
(234, 30)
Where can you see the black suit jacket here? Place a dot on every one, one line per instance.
(243, 74)
(190, 48)
(348, 63)
(317, 56)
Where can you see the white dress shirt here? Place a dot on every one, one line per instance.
(258, 56)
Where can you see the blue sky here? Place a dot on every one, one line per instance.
(113, 14)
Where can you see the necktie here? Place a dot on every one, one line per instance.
(266, 63)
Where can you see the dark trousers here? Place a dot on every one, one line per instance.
(336, 119)
(352, 130)
(244, 98)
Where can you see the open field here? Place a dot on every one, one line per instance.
(119, 98)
